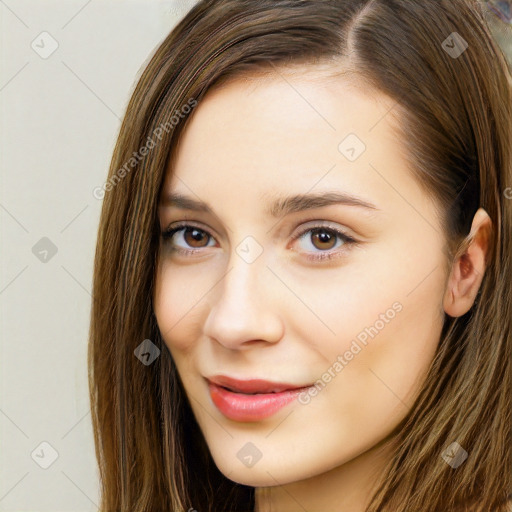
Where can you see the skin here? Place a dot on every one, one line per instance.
(284, 317)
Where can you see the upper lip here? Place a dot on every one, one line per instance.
(253, 385)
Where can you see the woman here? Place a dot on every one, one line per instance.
(238, 364)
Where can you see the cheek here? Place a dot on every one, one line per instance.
(176, 300)
(399, 283)
(385, 322)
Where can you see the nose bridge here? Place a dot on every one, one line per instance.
(244, 281)
(242, 309)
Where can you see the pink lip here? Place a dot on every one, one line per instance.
(238, 404)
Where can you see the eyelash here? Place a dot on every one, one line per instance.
(347, 240)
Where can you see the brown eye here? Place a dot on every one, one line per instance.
(195, 238)
(323, 242)
(187, 237)
(323, 239)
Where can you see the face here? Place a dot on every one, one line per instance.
(339, 294)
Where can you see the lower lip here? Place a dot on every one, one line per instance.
(242, 407)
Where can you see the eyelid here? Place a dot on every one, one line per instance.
(322, 224)
(188, 224)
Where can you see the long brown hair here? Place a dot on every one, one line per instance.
(452, 87)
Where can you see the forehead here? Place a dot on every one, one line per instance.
(287, 131)
(285, 101)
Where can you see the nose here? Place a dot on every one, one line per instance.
(243, 312)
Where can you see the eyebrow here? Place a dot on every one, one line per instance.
(280, 206)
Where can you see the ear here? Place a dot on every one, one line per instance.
(468, 267)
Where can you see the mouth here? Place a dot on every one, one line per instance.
(251, 400)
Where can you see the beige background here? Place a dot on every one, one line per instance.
(60, 113)
(59, 119)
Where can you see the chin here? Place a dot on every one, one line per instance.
(264, 473)
(258, 479)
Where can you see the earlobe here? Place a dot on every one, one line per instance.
(468, 267)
